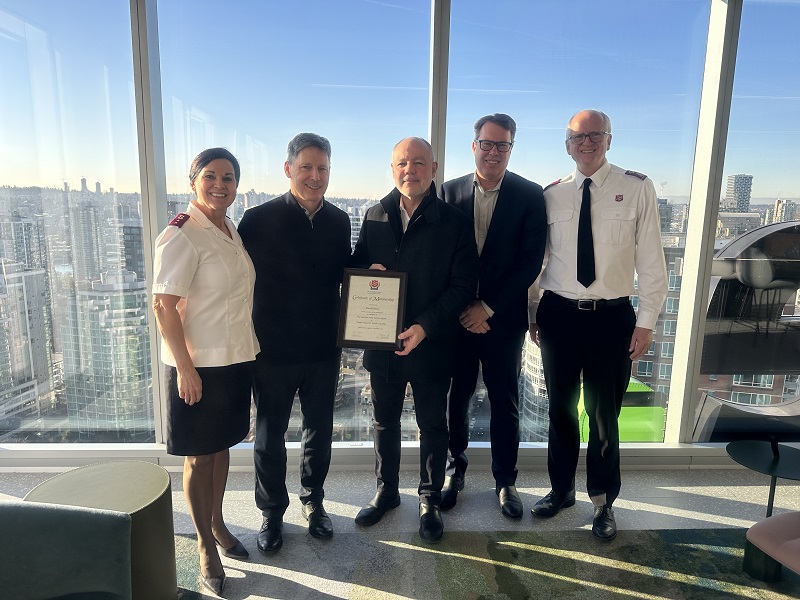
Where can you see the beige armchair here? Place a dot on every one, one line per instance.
(772, 543)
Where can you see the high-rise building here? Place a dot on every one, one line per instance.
(680, 218)
(26, 388)
(737, 194)
(655, 367)
(132, 246)
(26, 318)
(665, 214)
(88, 245)
(355, 209)
(534, 420)
(733, 224)
(107, 360)
(784, 210)
(105, 335)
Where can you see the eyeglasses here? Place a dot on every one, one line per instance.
(594, 137)
(487, 145)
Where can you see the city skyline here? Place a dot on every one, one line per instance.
(96, 384)
(228, 77)
(72, 113)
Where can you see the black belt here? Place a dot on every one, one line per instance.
(587, 304)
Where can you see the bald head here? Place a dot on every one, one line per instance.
(413, 168)
(588, 139)
(597, 114)
(418, 140)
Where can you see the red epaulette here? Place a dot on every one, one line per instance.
(179, 220)
(641, 176)
(556, 182)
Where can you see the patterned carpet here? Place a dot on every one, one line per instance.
(702, 564)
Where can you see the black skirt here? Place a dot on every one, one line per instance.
(222, 417)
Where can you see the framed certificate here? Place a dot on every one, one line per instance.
(373, 305)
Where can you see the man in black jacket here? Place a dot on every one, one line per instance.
(510, 227)
(411, 230)
(299, 244)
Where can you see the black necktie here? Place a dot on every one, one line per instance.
(585, 240)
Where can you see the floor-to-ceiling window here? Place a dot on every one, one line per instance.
(75, 357)
(540, 62)
(752, 334)
(74, 338)
(354, 72)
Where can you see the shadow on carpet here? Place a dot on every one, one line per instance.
(704, 564)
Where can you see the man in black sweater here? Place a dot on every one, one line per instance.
(299, 245)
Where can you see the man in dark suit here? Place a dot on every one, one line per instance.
(413, 231)
(510, 227)
(299, 244)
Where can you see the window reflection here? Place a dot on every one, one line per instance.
(532, 77)
(751, 348)
(354, 88)
(751, 327)
(74, 330)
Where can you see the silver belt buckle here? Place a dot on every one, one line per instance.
(587, 304)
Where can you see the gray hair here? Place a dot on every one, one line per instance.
(306, 140)
(500, 119)
(604, 116)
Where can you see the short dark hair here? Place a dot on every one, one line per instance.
(501, 119)
(201, 161)
(306, 140)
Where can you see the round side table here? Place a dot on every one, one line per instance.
(769, 458)
(142, 490)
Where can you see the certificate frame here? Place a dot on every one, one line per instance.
(372, 309)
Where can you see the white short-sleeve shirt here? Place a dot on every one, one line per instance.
(214, 277)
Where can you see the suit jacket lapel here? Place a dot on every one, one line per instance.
(502, 215)
(466, 194)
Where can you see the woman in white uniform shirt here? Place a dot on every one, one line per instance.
(203, 300)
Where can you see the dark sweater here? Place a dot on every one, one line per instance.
(299, 267)
(437, 252)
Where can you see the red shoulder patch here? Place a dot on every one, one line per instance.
(641, 176)
(556, 182)
(179, 220)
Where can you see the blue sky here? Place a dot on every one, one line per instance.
(250, 74)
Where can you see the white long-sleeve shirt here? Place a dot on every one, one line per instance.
(627, 238)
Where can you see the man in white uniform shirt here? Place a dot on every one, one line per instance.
(584, 322)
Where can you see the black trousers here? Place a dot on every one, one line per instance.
(500, 358)
(274, 389)
(592, 343)
(430, 405)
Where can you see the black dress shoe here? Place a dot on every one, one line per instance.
(235, 551)
(376, 508)
(603, 525)
(450, 491)
(430, 523)
(270, 538)
(319, 523)
(215, 585)
(510, 502)
(553, 502)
